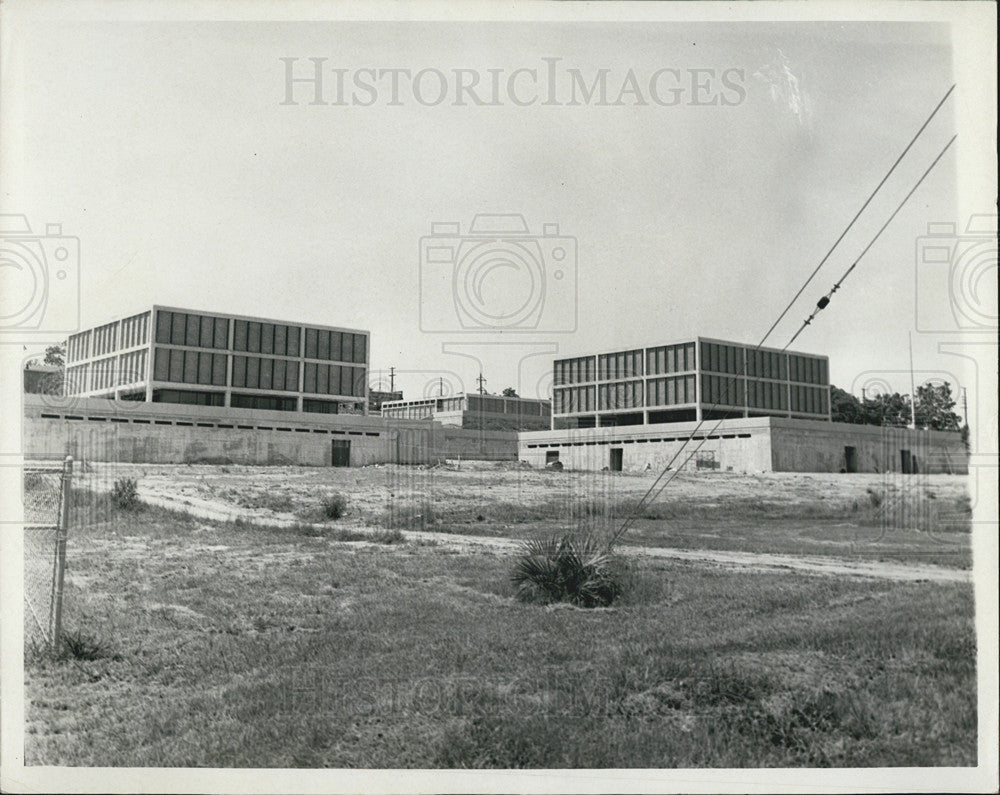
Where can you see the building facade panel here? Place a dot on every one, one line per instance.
(232, 356)
(714, 379)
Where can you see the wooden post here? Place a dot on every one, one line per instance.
(59, 571)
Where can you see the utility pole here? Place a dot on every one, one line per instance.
(441, 386)
(482, 384)
(392, 379)
(913, 391)
(965, 406)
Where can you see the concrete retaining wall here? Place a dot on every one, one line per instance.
(760, 444)
(741, 446)
(808, 446)
(472, 444)
(105, 430)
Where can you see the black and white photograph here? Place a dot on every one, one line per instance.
(498, 397)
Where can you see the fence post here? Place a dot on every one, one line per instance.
(60, 562)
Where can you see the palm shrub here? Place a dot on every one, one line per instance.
(125, 494)
(567, 569)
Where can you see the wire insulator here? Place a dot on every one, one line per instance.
(823, 302)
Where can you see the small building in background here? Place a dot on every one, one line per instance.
(480, 412)
(377, 397)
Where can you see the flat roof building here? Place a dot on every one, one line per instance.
(483, 412)
(171, 355)
(688, 381)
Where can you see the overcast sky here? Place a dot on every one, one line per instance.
(168, 150)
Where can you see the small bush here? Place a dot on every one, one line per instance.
(81, 646)
(334, 506)
(564, 569)
(125, 494)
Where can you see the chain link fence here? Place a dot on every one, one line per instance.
(46, 520)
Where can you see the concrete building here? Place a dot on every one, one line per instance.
(482, 412)
(170, 355)
(377, 397)
(711, 404)
(754, 444)
(687, 381)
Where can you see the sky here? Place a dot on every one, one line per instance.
(173, 151)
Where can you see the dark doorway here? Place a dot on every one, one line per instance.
(850, 459)
(551, 456)
(905, 462)
(341, 452)
(616, 459)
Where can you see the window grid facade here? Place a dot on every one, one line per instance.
(701, 375)
(153, 352)
(135, 331)
(575, 371)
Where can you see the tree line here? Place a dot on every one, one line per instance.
(933, 408)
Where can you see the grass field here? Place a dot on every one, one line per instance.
(213, 643)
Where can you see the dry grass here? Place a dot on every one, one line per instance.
(230, 644)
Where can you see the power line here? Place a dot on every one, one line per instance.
(847, 229)
(821, 304)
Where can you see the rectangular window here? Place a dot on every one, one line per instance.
(207, 333)
(323, 344)
(348, 349)
(176, 365)
(267, 338)
(311, 343)
(239, 335)
(253, 372)
(278, 373)
(162, 326)
(221, 333)
(190, 367)
(218, 369)
(205, 368)
(161, 364)
(239, 371)
(294, 338)
(253, 337)
(176, 328)
(292, 376)
(266, 368)
(280, 339)
(309, 374)
(360, 348)
(193, 331)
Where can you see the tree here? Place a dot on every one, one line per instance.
(844, 407)
(892, 410)
(56, 354)
(509, 392)
(934, 408)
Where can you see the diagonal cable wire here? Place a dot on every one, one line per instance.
(858, 214)
(653, 492)
(805, 284)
